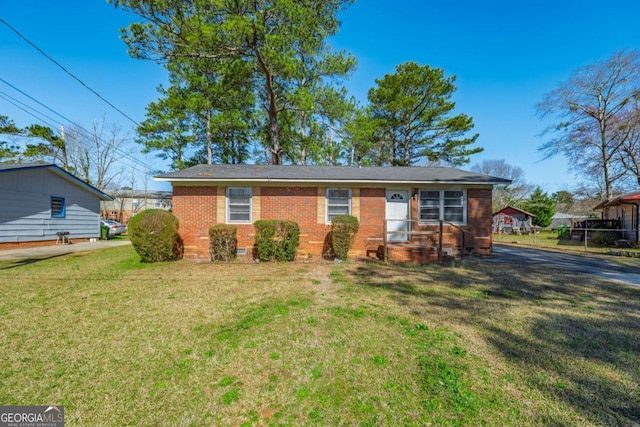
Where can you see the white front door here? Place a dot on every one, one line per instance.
(397, 215)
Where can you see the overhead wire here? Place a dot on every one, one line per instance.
(68, 72)
(69, 121)
(24, 107)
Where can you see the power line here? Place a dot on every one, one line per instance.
(22, 106)
(88, 133)
(67, 71)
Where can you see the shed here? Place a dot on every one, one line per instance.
(511, 220)
(41, 200)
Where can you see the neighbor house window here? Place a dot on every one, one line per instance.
(448, 205)
(58, 208)
(239, 204)
(338, 202)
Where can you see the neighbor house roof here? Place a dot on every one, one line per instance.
(330, 174)
(13, 167)
(510, 209)
(617, 201)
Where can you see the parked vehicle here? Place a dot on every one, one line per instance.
(115, 228)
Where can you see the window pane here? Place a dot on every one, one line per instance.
(338, 202)
(453, 198)
(454, 214)
(239, 217)
(429, 214)
(338, 210)
(429, 207)
(338, 194)
(239, 204)
(239, 192)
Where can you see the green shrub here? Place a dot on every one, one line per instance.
(154, 234)
(223, 242)
(605, 238)
(343, 233)
(564, 232)
(277, 240)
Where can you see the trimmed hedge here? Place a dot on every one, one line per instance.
(343, 233)
(154, 235)
(277, 240)
(224, 242)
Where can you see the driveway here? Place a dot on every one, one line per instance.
(52, 251)
(600, 266)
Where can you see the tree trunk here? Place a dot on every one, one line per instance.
(209, 150)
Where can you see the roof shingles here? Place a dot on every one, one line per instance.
(329, 174)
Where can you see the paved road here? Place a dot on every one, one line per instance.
(51, 251)
(601, 266)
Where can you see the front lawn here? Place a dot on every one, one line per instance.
(313, 343)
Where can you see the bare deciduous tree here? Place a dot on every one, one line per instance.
(505, 195)
(588, 108)
(95, 155)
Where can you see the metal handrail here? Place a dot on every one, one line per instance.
(440, 233)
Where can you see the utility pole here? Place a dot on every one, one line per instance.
(65, 160)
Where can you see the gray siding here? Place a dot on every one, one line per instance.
(25, 207)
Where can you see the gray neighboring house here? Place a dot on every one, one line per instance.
(40, 200)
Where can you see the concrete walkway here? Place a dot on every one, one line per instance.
(51, 251)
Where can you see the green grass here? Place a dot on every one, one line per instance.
(119, 342)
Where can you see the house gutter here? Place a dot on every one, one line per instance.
(317, 181)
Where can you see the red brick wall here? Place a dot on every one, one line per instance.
(478, 225)
(299, 204)
(195, 207)
(372, 214)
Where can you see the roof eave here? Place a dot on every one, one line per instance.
(331, 181)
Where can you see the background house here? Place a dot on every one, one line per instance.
(40, 200)
(402, 199)
(623, 211)
(564, 219)
(127, 203)
(510, 220)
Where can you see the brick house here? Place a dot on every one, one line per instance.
(396, 205)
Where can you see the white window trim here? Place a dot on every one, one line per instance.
(326, 201)
(441, 206)
(228, 207)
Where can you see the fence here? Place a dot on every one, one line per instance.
(590, 236)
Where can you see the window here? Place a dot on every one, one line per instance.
(449, 205)
(239, 205)
(338, 202)
(58, 208)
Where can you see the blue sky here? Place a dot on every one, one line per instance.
(506, 55)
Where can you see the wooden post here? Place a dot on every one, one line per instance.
(384, 243)
(440, 243)
(586, 237)
(463, 244)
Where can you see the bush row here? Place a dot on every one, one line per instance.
(154, 235)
